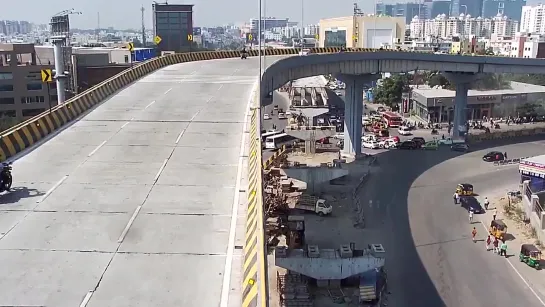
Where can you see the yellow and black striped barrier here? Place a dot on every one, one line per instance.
(267, 164)
(254, 276)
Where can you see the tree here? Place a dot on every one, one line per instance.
(390, 90)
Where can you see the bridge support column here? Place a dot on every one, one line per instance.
(353, 112)
(462, 81)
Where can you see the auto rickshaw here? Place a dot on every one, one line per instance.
(531, 255)
(498, 229)
(464, 189)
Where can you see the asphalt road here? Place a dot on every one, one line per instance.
(164, 150)
(280, 99)
(431, 260)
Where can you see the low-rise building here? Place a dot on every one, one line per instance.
(437, 105)
(362, 32)
(22, 92)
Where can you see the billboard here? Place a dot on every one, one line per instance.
(197, 31)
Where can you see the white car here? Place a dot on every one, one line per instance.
(371, 144)
(404, 130)
(288, 113)
(339, 136)
(266, 116)
(304, 52)
(282, 116)
(388, 143)
(369, 138)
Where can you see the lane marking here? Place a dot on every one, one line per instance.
(225, 289)
(125, 125)
(149, 105)
(96, 149)
(86, 299)
(519, 274)
(170, 89)
(160, 170)
(46, 195)
(221, 86)
(129, 224)
(179, 137)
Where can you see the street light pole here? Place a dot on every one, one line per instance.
(302, 26)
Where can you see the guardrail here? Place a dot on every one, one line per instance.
(510, 161)
(267, 164)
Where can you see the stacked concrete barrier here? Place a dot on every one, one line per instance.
(267, 164)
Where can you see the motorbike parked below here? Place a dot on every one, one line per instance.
(6, 178)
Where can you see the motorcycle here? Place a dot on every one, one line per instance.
(243, 55)
(434, 131)
(5, 177)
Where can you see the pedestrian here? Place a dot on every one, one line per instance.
(456, 198)
(495, 244)
(471, 216)
(488, 242)
(474, 233)
(486, 203)
(503, 249)
(505, 155)
(494, 214)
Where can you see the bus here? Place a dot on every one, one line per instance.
(265, 135)
(276, 141)
(393, 120)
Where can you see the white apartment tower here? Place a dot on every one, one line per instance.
(463, 26)
(532, 19)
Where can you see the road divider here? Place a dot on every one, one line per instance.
(498, 135)
(509, 161)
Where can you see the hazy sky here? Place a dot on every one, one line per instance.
(126, 13)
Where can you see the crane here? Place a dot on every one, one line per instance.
(67, 12)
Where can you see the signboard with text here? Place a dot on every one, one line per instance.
(197, 31)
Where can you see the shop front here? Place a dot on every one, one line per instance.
(533, 169)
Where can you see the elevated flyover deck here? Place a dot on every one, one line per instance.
(132, 205)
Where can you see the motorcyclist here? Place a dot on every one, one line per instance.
(243, 53)
(486, 203)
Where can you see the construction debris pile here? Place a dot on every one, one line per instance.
(294, 290)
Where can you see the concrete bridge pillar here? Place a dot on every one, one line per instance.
(353, 112)
(462, 81)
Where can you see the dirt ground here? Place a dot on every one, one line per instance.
(330, 231)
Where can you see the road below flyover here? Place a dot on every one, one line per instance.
(136, 203)
(431, 259)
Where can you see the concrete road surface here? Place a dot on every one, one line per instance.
(136, 203)
(431, 260)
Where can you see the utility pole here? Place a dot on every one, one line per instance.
(60, 37)
(98, 27)
(142, 9)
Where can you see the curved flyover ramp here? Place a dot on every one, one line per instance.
(132, 205)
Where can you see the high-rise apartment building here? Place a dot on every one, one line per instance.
(448, 27)
(509, 8)
(268, 23)
(533, 19)
(173, 23)
(405, 10)
(440, 7)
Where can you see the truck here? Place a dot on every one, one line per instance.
(312, 203)
(372, 286)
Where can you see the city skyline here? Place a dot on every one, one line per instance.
(207, 14)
